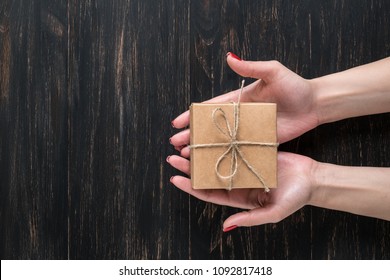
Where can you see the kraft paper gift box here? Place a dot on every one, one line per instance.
(233, 145)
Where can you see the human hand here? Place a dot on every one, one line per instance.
(302, 105)
(292, 93)
(293, 192)
(296, 115)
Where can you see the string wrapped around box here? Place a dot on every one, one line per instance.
(233, 145)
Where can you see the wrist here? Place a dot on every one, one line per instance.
(316, 89)
(319, 179)
(315, 174)
(332, 98)
(359, 190)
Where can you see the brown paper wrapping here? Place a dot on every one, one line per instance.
(257, 123)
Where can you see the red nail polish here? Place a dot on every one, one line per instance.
(172, 124)
(229, 228)
(168, 158)
(233, 55)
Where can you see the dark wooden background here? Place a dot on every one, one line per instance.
(87, 93)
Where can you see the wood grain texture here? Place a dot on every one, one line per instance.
(87, 93)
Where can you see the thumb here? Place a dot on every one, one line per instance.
(254, 217)
(265, 70)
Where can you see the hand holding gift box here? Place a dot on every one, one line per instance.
(302, 105)
(292, 94)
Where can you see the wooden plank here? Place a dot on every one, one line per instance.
(87, 93)
(33, 130)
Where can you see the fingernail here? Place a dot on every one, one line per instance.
(233, 55)
(229, 228)
(170, 140)
(170, 179)
(168, 158)
(172, 124)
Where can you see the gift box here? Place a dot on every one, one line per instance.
(233, 145)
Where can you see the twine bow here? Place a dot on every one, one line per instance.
(233, 145)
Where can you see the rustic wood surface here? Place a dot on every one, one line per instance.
(87, 93)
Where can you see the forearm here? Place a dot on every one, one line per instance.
(359, 91)
(359, 190)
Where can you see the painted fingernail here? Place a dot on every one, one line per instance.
(233, 55)
(170, 140)
(172, 124)
(229, 228)
(168, 158)
(170, 179)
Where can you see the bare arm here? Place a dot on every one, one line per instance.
(301, 181)
(362, 90)
(359, 190)
(304, 104)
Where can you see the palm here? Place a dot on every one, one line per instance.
(292, 193)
